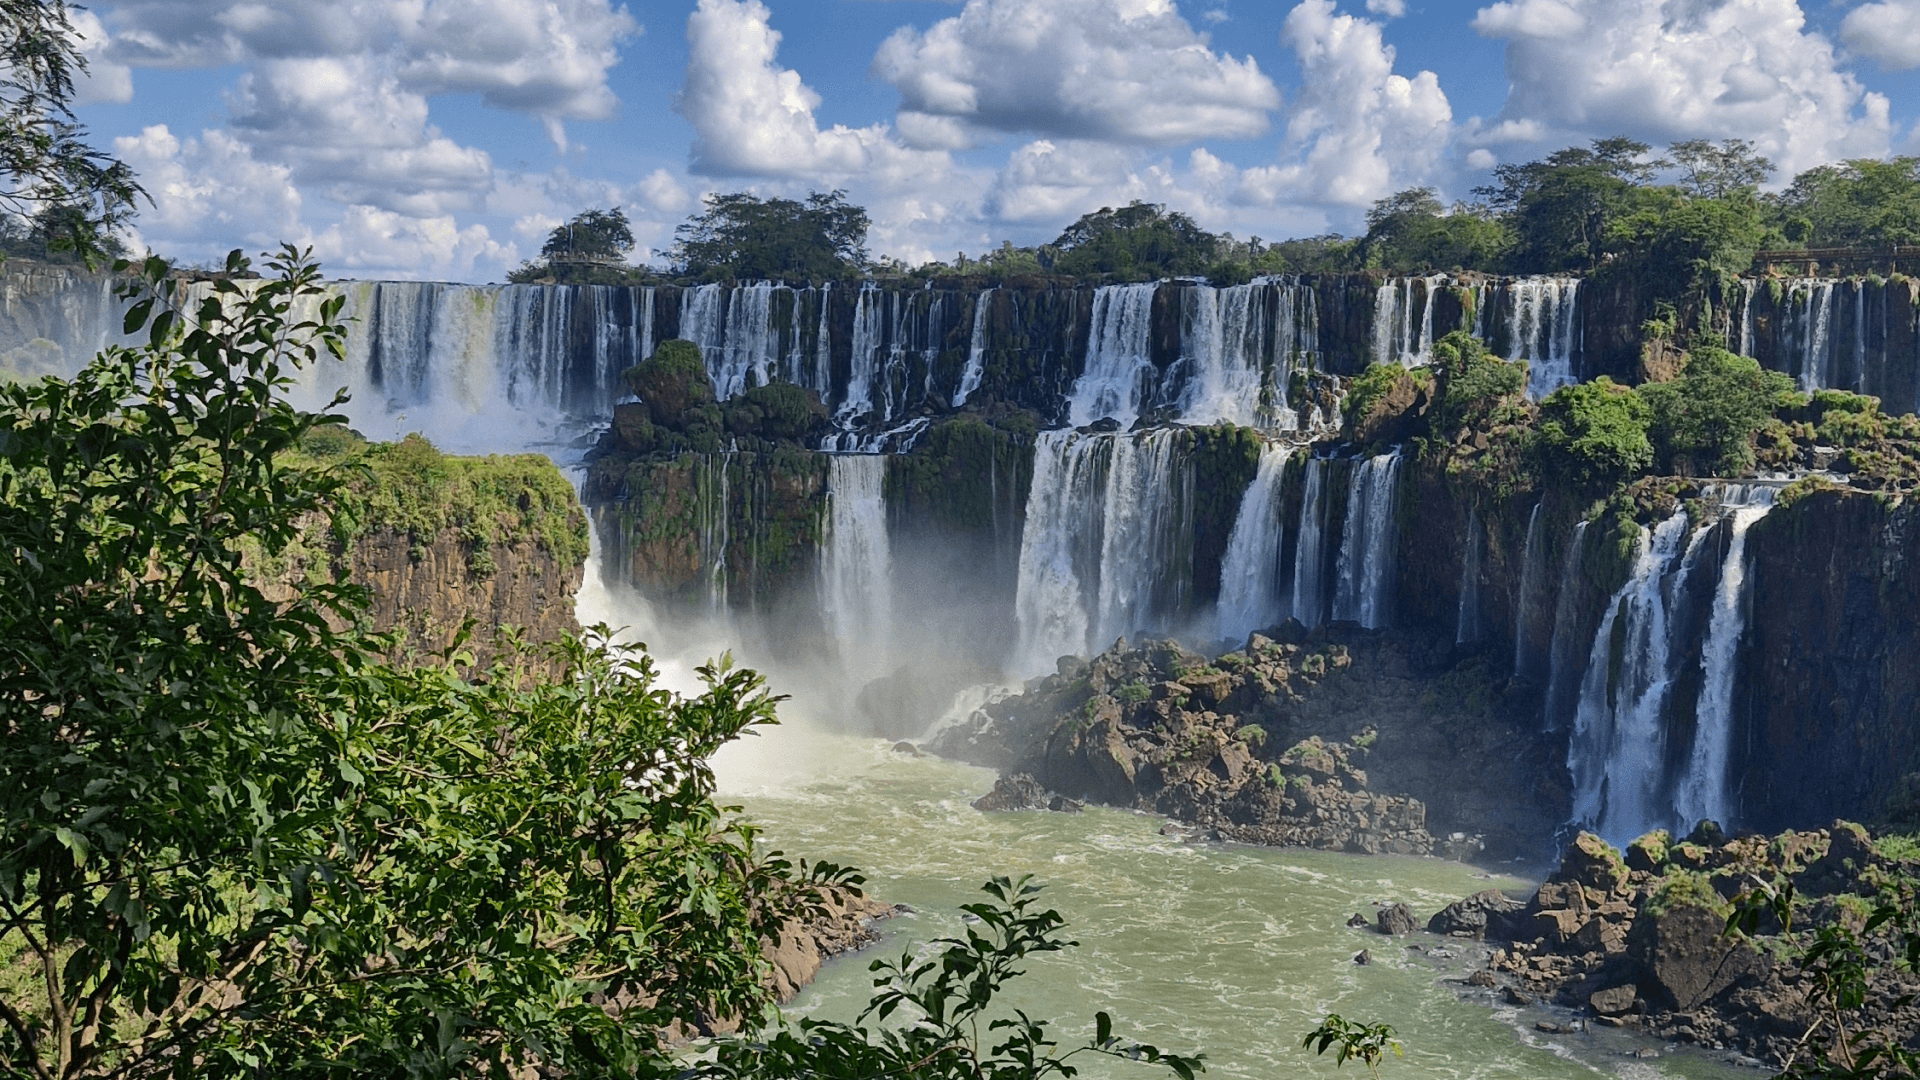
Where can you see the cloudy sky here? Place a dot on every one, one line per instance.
(443, 138)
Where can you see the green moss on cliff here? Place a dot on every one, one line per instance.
(965, 476)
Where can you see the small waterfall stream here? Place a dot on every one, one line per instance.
(1466, 623)
(1363, 581)
(1541, 329)
(976, 368)
(1528, 598)
(1309, 562)
(1250, 585)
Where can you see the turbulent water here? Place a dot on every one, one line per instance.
(1235, 951)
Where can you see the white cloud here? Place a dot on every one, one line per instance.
(1886, 30)
(210, 194)
(1129, 71)
(371, 242)
(1392, 9)
(752, 117)
(1664, 70)
(103, 81)
(1357, 132)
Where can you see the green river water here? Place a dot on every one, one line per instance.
(1233, 950)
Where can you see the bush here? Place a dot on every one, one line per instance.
(674, 384)
(1704, 422)
(1593, 434)
(1471, 383)
(777, 410)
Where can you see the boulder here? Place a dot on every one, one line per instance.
(1849, 850)
(1594, 863)
(1357, 920)
(1686, 960)
(1614, 1001)
(1364, 956)
(673, 383)
(1017, 792)
(1395, 919)
(1469, 916)
(1649, 852)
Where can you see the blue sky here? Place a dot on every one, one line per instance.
(443, 138)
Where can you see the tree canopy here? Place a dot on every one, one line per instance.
(1136, 241)
(592, 234)
(744, 236)
(62, 194)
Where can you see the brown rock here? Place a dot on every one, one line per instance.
(1593, 862)
(1614, 1001)
(1469, 917)
(1396, 919)
(1686, 958)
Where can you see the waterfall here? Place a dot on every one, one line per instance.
(1541, 331)
(1104, 545)
(856, 579)
(1223, 349)
(1250, 588)
(1619, 738)
(869, 333)
(715, 520)
(1563, 647)
(1309, 559)
(976, 349)
(1466, 623)
(1529, 585)
(1363, 581)
(1118, 367)
(1397, 338)
(1703, 792)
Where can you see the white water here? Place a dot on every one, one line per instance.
(1250, 585)
(1704, 792)
(1466, 623)
(869, 332)
(1364, 577)
(856, 570)
(976, 368)
(1541, 329)
(1309, 594)
(1118, 369)
(1398, 336)
(1105, 532)
(1535, 551)
(1564, 648)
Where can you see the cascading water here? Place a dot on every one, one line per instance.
(1703, 791)
(1105, 551)
(1250, 585)
(976, 368)
(1398, 338)
(1223, 349)
(869, 332)
(1618, 733)
(1542, 329)
(1564, 648)
(1364, 577)
(856, 578)
(1119, 367)
(1524, 603)
(1309, 560)
(1466, 623)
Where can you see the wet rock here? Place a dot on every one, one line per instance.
(1357, 920)
(1594, 863)
(1017, 792)
(1649, 852)
(1515, 997)
(906, 748)
(1482, 978)
(1469, 917)
(1396, 919)
(1364, 956)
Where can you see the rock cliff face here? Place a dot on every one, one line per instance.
(1832, 712)
(429, 590)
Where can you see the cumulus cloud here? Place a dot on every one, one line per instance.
(210, 194)
(752, 117)
(1678, 69)
(1358, 131)
(379, 243)
(1886, 30)
(1131, 71)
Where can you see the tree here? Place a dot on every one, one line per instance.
(48, 174)
(1592, 434)
(1853, 203)
(1559, 206)
(592, 234)
(1139, 241)
(1470, 383)
(1410, 231)
(1674, 247)
(235, 844)
(1715, 172)
(1704, 422)
(743, 236)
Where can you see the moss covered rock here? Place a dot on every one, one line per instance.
(673, 383)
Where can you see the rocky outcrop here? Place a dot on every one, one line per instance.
(1642, 941)
(843, 923)
(429, 591)
(1022, 792)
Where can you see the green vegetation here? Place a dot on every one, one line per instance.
(1352, 1041)
(1137, 242)
(590, 249)
(744, 236)
(1473, 388)
(1411, 231)
(59, 196)
(1592, 434)
(1704, 423)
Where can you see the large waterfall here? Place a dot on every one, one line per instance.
(1106, 536)
(1119, 367)
(1309, 561)
(1399, 335)
(856, 578)
(1630, 775)
(1251, 589)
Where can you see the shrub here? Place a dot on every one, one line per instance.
(1471, 382)
(1704, 422)
(673, 382)
(1592, 434)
